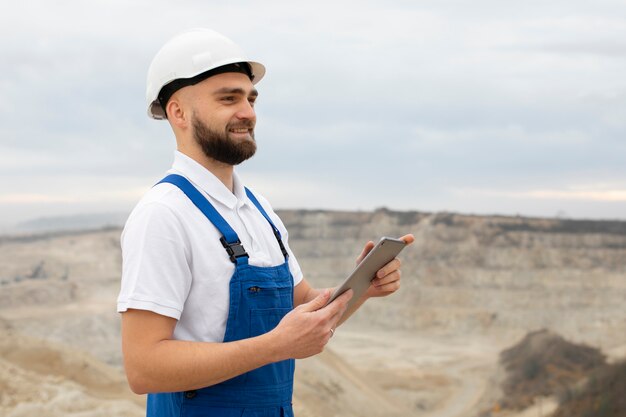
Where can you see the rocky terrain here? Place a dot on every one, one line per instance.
(544, 364)
(602, 394)
(472, 287)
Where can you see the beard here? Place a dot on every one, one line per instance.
(219, 146)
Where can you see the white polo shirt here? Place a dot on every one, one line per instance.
(173, 261)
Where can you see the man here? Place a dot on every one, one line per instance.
(215, 308)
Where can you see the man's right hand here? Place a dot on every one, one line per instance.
(156, 362)
(305, 330)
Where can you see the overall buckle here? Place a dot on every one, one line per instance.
(235, 250)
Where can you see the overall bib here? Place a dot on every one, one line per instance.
(259, 298)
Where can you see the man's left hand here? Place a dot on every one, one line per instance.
(387, 279)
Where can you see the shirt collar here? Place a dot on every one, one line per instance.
(206, 181)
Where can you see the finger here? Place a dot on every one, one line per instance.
(327, 337)
(333, 321)
(343, 299)
(339, 312)
(339, 303)
(393, 265)
(318, 302)
(388, 288)
(394, 276)
(408, 239)
(368, 247)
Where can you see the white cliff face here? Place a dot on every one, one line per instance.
(471, 285)
(482, 274)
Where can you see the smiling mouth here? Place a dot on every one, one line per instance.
(242, 130)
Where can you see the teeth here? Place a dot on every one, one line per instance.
(239, 130)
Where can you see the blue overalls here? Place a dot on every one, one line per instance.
(259, 298)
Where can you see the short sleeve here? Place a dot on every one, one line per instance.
(156, 275)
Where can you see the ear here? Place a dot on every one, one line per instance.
(176, 113)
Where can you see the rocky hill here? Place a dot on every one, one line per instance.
(477, 274)
(544, 364)
(472, 285)
(602, 395)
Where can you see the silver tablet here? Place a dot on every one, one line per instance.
(359, 280)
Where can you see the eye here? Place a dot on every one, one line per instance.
(228, 99)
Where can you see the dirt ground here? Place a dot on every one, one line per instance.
(432, 350)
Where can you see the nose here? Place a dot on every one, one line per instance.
(246, 111)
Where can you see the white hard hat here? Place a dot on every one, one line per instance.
(191, 54)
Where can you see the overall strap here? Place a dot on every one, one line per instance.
(229, 238)
(274, 228)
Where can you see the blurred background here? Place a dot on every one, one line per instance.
(484, 107)
(492, 130)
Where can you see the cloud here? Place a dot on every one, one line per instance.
(601, 195)
(364, 104)
(597, 193)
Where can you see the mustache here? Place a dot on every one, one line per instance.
(243, 124)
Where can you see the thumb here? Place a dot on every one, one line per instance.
(367, 249)
(318, 302)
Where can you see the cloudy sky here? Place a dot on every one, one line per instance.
(488, 106)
